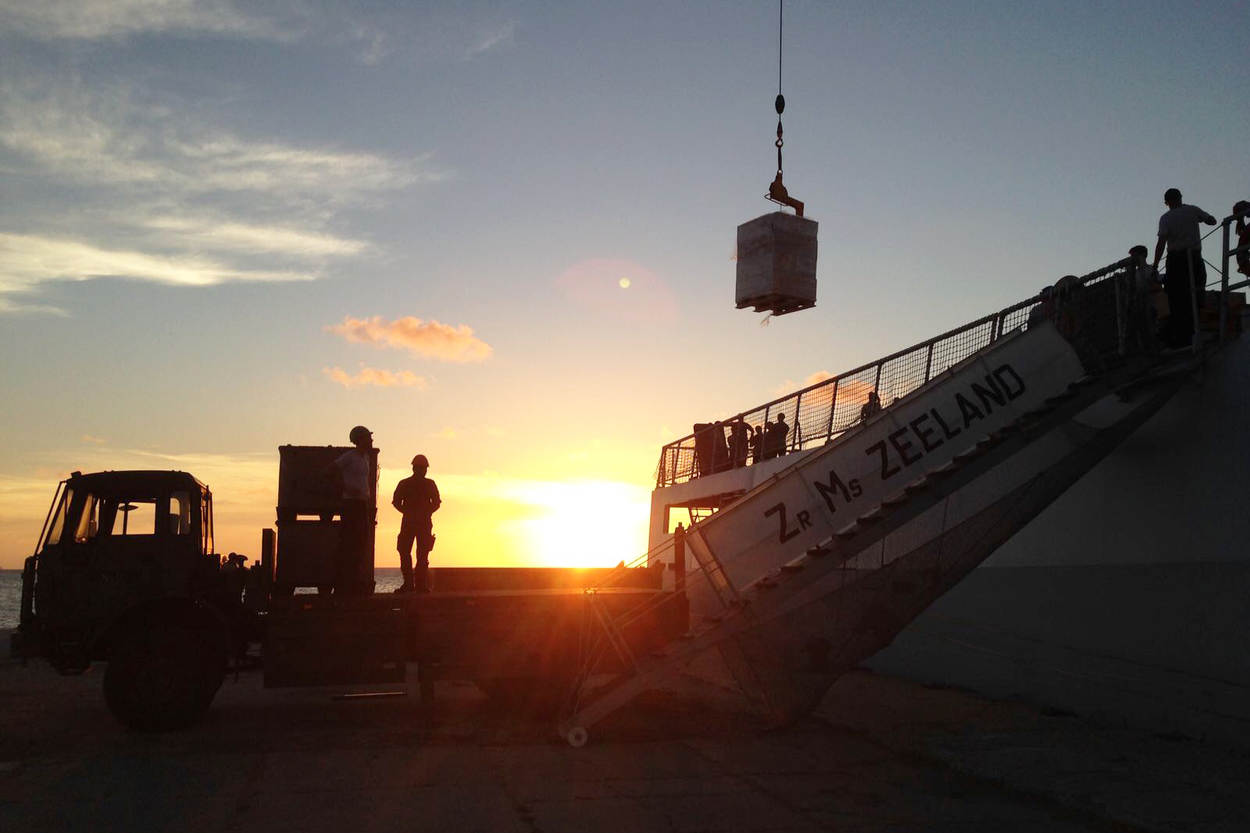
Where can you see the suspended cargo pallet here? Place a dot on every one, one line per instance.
(777, 263)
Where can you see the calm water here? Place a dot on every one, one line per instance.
(387, 578)
(10, 599)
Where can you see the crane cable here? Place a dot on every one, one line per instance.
(780, 102)
(777, 190)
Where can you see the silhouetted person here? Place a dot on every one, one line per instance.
(871, 407)
(757, 444)
(1044, 309)
(1142, 309)
(352, 471)
(739, 442)
(775, 436)
(720, 448)
(417, 499)
(1243, 236)
(1186, 277)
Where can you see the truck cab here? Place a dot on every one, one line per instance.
(125, 571)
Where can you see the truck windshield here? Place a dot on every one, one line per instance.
(206, 521)
(88, 522)
(58, 520)
(134, 517)
(180, 513)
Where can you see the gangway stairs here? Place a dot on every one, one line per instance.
(820, 565)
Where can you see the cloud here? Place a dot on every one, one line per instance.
(28, 260)
(11, 304)
(445, 434)
(818, 376)
(108, 137)
(92, 440)
(131, 166)
(431, 339)
(97, 19)
(789, 386)
(376, 377)
(490, 39)
(255, 239)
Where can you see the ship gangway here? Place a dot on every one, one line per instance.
(800, 566)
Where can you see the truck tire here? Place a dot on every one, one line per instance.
(164, 677)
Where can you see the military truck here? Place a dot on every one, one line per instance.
(125, 572)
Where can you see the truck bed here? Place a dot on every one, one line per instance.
(494, 626)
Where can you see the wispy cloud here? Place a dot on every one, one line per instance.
(96, 19)
(27, 260)
(255, 239)
(93, 440)
(431, 339)
(491, 38)
(107, 137)
(147, 162)
(445, 434)
(375, 377)
(789, 385)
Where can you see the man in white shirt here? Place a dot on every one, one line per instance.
(1186, 277)
(353, 477)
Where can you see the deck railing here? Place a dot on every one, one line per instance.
(820, 412)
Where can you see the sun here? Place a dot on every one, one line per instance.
(623, 283)
(586, 523)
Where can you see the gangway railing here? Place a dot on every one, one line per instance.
(822, 411)
(1100, 315)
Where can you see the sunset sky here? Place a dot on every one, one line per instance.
(227, 226)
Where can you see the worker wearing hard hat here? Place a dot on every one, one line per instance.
(417, 499)
(352, 475)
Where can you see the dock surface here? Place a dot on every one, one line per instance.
(882, 754)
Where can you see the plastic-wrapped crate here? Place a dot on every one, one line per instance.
(777, 263)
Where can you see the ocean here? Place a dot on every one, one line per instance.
(10, 599)
(387, 578)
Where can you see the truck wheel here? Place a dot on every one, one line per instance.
(164, 677)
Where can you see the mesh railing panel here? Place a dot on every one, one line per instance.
(819, 413)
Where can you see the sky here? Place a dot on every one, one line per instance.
(229, 226)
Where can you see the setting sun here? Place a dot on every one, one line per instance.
(581, 523)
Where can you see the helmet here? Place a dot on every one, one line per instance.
(359, 433)
(421, 460)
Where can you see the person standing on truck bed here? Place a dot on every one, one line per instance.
(351, 474)
(417, 499)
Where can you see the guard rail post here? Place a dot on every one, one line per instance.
(798, 423)
(1196, 337)
(1227, 227)
(679, 577)
(833, 409)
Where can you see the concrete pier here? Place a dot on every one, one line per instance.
(882, 754)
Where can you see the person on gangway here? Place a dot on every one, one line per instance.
(1186, 277)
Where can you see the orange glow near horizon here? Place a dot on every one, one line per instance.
(487, 520)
